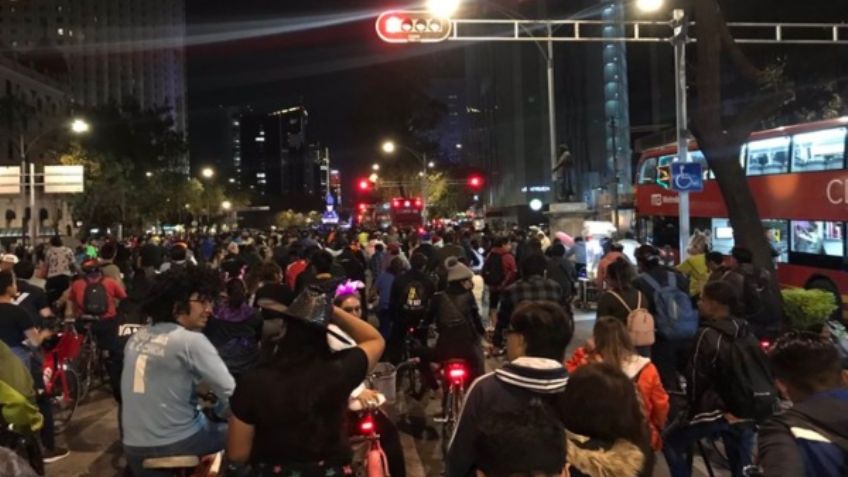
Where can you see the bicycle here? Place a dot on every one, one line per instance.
(90, 359)
(409, 376)
(455, 373)
(61, 379)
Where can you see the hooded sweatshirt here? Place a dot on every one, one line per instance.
(509, 389)
(801, 442)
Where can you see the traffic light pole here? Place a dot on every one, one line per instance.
(679, 43)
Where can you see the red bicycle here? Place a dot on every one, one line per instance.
(61, 379)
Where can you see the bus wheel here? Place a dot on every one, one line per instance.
(826, 285)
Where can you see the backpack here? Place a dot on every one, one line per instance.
(754, 286)
(745, 383)
(413, 297)
(640, 322)
(839, 335)
(493, 270)
(675, 317)
(95, 299)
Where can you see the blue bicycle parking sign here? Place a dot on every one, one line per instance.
(687, 177)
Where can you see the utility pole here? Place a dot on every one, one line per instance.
(680, 26)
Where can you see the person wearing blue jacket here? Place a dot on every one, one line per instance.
(811, 439)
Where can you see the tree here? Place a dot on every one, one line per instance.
(721, 137)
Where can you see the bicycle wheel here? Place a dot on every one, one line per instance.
(86, 364)
(66, 398)
(450, 421)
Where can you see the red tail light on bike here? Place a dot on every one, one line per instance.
(765, 345)
(457, 373)
(366, 425)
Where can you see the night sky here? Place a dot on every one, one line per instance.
(289, 56)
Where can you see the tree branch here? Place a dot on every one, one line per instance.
(740, 60)
(744, 123)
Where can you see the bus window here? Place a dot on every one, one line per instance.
(698, 156)
(722, 236)
(819, 151)
(817, 237)
(648, 172)
(777, 233)
(769, 156)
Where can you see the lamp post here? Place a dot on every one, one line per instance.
(207, 173)
(389, 147)
(77, 126)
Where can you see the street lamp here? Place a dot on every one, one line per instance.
(374, 178)
(80, 126)
(207, 173)
(375, 167)
(148, 174)
(649, 6)
(431, 164)
(226, 205)
(389, 147)
(443, 8)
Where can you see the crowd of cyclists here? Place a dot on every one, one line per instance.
(262, 345)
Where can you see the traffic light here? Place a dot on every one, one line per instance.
(364, 185)
(475, 182)
(664, 172)
(412, 27)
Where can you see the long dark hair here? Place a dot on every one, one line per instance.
(620, 274)
(304, 404)
(601, 402)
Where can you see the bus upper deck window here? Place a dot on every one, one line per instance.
(648, 172)
(768, 156)
(819, 150)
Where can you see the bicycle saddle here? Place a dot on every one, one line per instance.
(172, 462)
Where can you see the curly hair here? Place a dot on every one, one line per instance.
(172, 290)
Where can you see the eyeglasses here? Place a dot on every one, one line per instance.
(204, 302)
(353, 309)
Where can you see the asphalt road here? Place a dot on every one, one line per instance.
(96, 450)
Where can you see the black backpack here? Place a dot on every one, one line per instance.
(414, 297)
(754, 287)
(493, 270)
(95, 299)
(745, 382)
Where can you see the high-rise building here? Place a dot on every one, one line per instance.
(112, 49)
(276, 159)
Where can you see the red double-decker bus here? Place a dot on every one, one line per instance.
(797, 175)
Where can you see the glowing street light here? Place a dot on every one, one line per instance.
(375, 167)
(649, 6)
(389, 147)
(80, 126)
(536, 205)
(207, 173)
(443, 8)
(374, 178)
(431, 164)
(226, 205)
(148, 174)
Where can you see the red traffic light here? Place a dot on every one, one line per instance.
(364, 185)
(363, 207)
(475, 182)
(412, 27)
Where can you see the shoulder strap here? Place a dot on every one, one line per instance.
(638, 300)
(651, 282)
(725, 274)
(796, 418)
(620, 299)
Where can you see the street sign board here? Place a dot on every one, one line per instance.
(687, 177)
(64, 179)
(10, 180)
